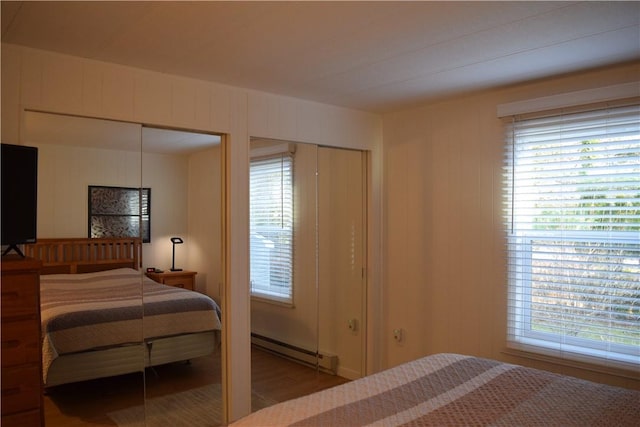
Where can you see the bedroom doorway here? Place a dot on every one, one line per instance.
(183, 171)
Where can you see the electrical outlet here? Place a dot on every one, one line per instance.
(398, 334)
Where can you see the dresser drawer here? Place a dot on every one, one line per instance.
(23, 419)
(20, 389)
(185, 282)
(179, 279)
(19, 295)
(21, 342)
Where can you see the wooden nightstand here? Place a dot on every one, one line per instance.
(180, 279)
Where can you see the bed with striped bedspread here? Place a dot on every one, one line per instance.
(455, 390)
(93, 311)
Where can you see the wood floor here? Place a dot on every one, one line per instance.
(88, 403)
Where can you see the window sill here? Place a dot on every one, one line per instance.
(272, 300)
(622, 372)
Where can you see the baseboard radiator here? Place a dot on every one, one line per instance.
(326, 362)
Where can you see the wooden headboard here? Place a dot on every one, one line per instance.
(83, 255)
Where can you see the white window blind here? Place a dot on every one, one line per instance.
(573, 219)
(271, 227)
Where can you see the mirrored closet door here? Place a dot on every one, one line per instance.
(184, 260)
(342, 258)
(136, 202)
(283, 267)
(89, 373)
(307, 229)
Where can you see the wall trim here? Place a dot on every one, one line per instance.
(570, 99)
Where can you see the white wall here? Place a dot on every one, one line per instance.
(205, 208)
(65, 172)
(35, 79)
(167, 176)
(445, 262)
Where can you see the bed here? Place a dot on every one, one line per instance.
(94, 321)
(454, 390)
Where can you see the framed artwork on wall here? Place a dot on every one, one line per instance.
(120, 212)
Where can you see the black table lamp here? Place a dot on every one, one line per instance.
(175, 241)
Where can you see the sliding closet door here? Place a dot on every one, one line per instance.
(182, 310)
(159, 185)
(324, 324)
(342, 261)
(74, 154)
(283, 262)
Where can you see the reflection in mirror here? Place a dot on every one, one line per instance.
(342, 258)
(75, 152)
(186, 202)
(87, 371)
(184, 171)
(315, 338)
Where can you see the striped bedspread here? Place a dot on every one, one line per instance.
(100, 310)
(455, 390)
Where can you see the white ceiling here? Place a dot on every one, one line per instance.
(377, 56)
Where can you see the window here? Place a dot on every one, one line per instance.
(573, 220)
(271, 227)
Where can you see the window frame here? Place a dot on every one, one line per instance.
(520, 332)
(529, 336)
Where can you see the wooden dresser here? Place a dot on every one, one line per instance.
(21, 381)
(179, 279)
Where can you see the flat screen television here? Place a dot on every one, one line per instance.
(19, 196)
